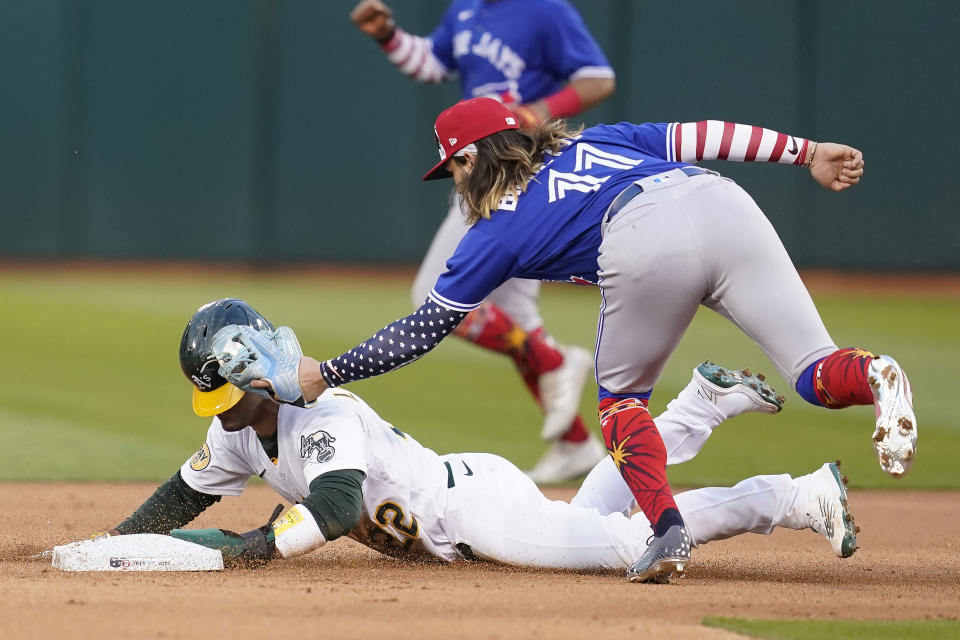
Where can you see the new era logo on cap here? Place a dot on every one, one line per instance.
(443, 152)
(463, 124)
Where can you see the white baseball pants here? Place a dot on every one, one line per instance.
(501, 514)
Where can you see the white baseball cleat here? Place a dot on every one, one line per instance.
(822, 505)
(567, 460)
(560, 391)
(735, 392)
(895, 437)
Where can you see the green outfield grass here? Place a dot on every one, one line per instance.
(840, 629)
(93, 391)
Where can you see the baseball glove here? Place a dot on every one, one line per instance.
(246, 354)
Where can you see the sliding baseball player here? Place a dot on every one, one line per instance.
(348, 472)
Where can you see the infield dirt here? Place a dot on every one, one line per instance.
(908, 568)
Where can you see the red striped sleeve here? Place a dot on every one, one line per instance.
(424, 52)
(701, 138)
(803, 153)
(678, 145)
(778, 147)
(410, 52)
(756, 136)
(726, 140)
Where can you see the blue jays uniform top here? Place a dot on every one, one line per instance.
(516, 50)
(553, 230)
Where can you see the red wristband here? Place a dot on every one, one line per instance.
(563, 103)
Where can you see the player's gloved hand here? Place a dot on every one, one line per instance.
(375, 19)
(246, 354)
(245, 550)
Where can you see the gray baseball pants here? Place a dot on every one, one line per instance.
(687, 241)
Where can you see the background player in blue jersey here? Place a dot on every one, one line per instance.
(622, 207)
(539, 59)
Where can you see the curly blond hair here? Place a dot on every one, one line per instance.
(505, 163)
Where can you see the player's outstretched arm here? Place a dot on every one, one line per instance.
(397, 344)
(172, 505)
(834, 166)
(332, 509)
(413, 55)
(298, 380)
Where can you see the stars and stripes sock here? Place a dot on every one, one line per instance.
(838, 380)
(638, 451)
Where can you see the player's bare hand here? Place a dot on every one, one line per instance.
(836, 166)
(311, 379)
(374, 18)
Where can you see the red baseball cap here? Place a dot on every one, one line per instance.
(463, 124)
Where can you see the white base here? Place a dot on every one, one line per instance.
(138, 552)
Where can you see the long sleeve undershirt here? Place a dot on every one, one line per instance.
(336, 501)
(173, 505)
(394, 346)
(414, 57)
(719, 140)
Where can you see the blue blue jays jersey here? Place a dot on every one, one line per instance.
(552, 230)
(516, 51)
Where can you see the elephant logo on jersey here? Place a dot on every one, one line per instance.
(319, 442)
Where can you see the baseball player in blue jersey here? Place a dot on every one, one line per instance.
(539, 59)
(621, 206)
